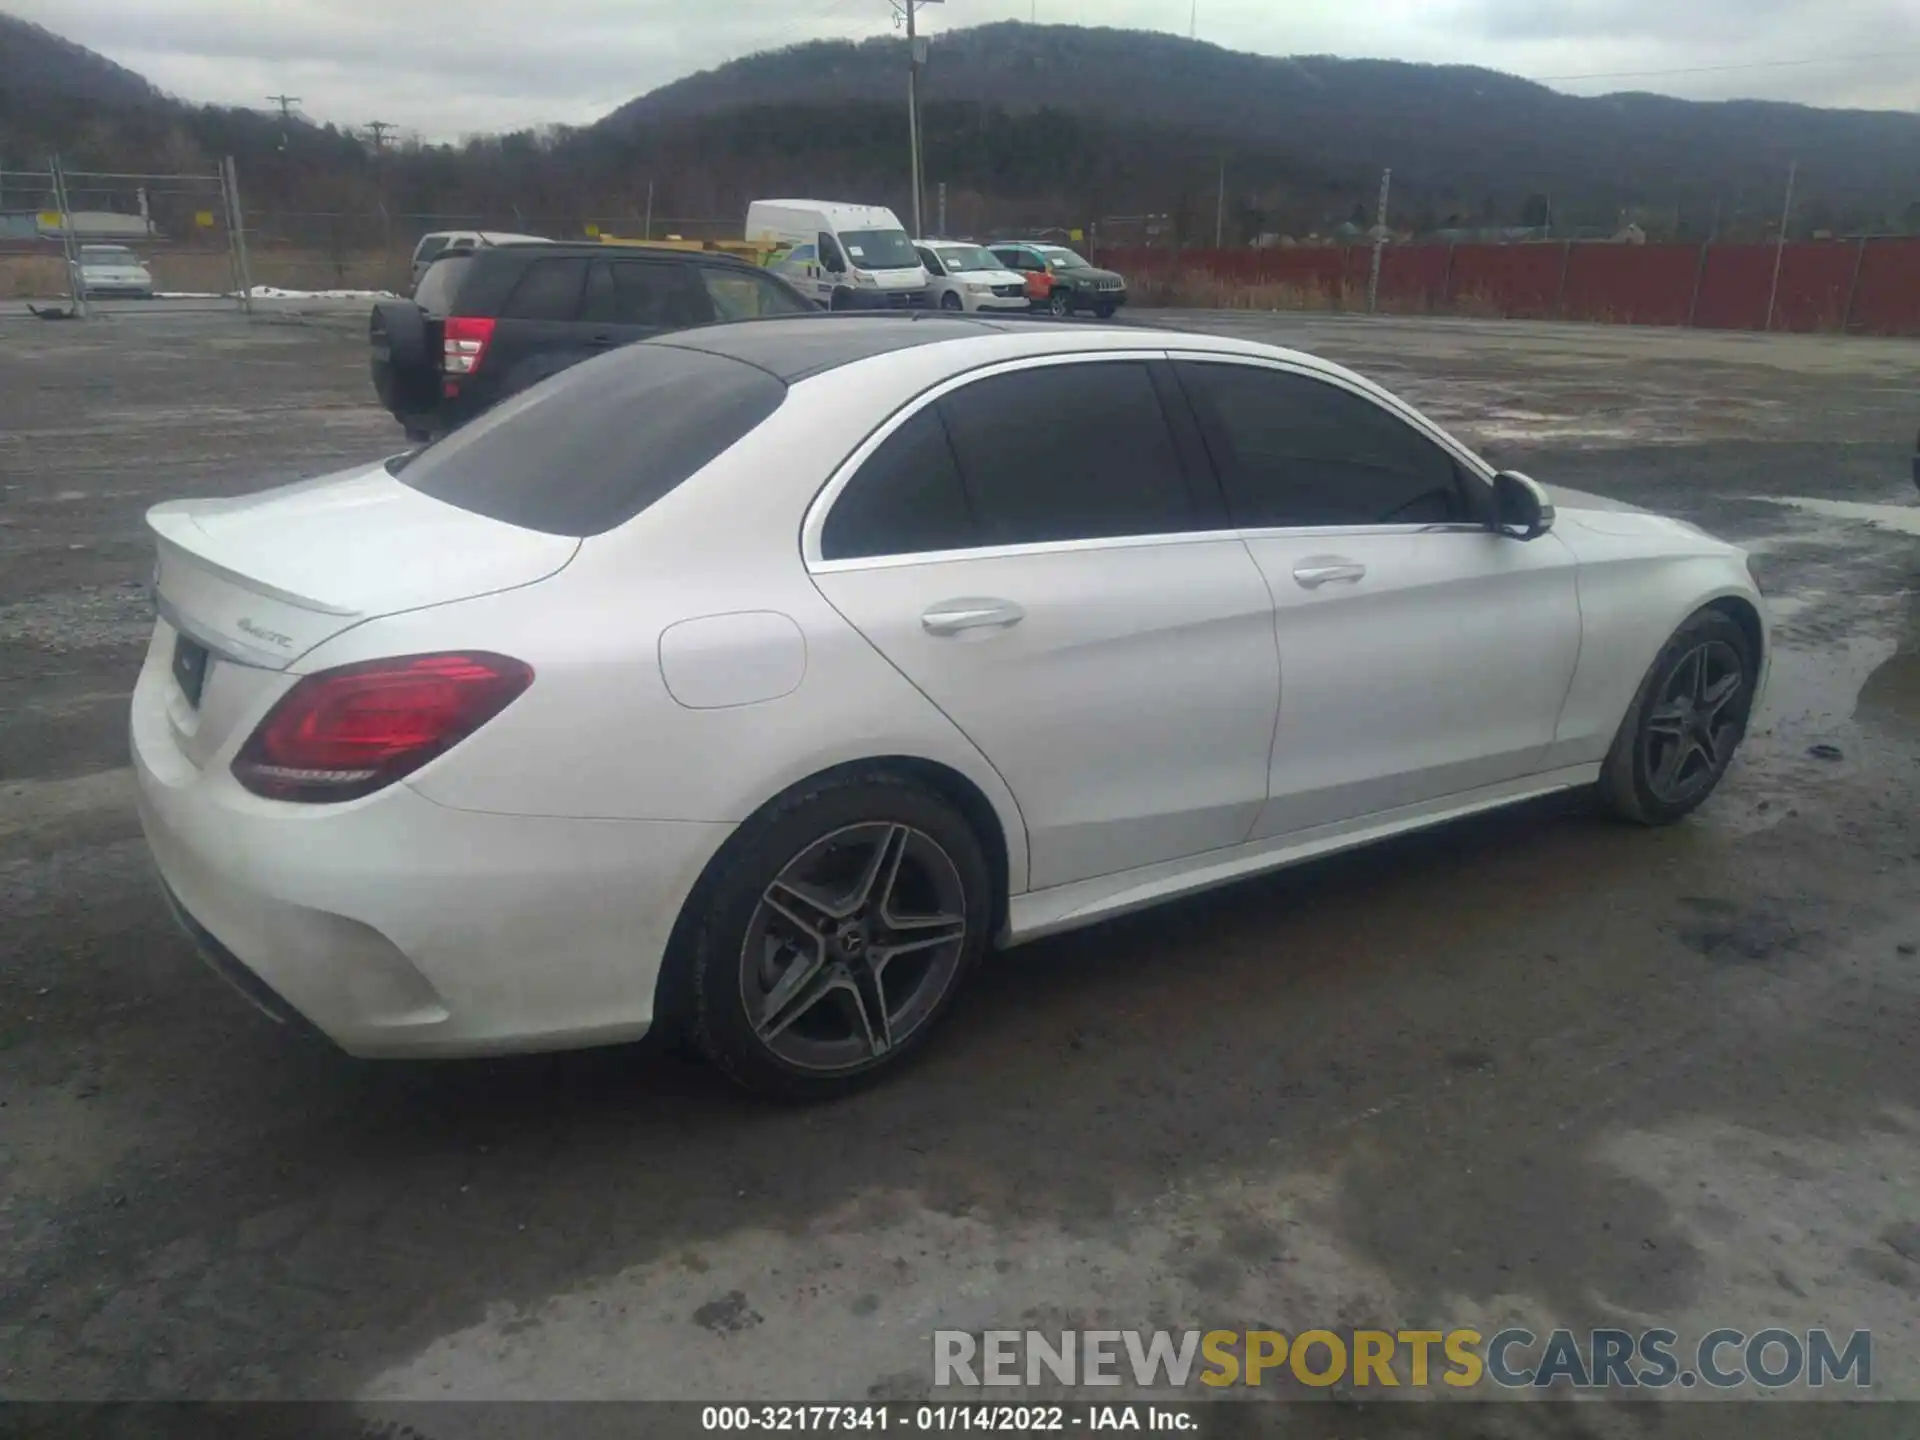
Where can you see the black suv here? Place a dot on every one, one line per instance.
(489, 323)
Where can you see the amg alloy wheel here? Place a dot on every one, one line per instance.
(852, 946)
(1684, 725)
(836, 935)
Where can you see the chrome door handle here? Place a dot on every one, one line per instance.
(1313, 574)
(954, 616)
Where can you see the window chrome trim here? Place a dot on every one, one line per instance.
(812, 527)
(1006, 552)
(815, 521)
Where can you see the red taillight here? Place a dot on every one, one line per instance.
(345, 733)
(464, 343)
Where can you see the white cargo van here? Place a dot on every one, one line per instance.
(848, 257)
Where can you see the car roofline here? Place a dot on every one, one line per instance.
(574, 248)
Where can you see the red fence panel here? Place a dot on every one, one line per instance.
(1887, 299)
(1814, 280)
(1733, 287)
(1520, 282)
(1412, 277)
(1593, 281)
(1630, 284)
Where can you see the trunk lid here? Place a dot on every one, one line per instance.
(264, 578)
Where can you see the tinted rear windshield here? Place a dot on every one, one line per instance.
(441, 283)
(595, 445)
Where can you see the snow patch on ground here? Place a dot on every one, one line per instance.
(275, 292)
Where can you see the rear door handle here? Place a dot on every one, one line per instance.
(950, 617)
(1322, 570)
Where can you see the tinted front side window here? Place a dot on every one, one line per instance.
(1067, 452)
(549, 290)
(598, 444)
(744, 294)
(1297, 451)
(905, 500)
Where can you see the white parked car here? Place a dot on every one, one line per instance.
(461, 242)
(965, 276)
(754, 680)
(114, 270)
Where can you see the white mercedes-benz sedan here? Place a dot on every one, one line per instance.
(753, 681)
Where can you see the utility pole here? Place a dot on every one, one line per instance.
(916, 57)
(1193, 21)
(1220, 208)
(378, 130)
(1379, 240)
(286, 104)
(1780, 243)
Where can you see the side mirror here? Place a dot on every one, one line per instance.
(836, 266)
(1520, 506)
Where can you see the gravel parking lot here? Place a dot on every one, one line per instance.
(1533, 1069)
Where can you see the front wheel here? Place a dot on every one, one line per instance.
(951, 301)
(1105, 309)
(842, 922)
(1689, 716)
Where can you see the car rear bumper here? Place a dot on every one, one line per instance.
(398, 926)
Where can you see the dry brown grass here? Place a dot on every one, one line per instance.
(32, 277)
(1201, 290)
(43, 274)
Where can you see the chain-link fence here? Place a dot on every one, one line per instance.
(80, 239)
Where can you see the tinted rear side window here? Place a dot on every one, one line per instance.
(595, 446)
(1067, 452)
(651, 293)
(906, 499)
(549, 290)
(440, 286)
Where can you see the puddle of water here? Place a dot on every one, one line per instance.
(1892, 691)
(1903, 518)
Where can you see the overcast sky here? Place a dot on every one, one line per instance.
(443, 69)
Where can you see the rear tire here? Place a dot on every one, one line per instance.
(869, 900)
(1686, 720)
(1060, 302)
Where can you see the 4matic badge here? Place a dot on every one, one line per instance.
(260, 632)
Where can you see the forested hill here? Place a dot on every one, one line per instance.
(1026, 125)
(1452, 131)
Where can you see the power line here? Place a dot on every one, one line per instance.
(1723, 69)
